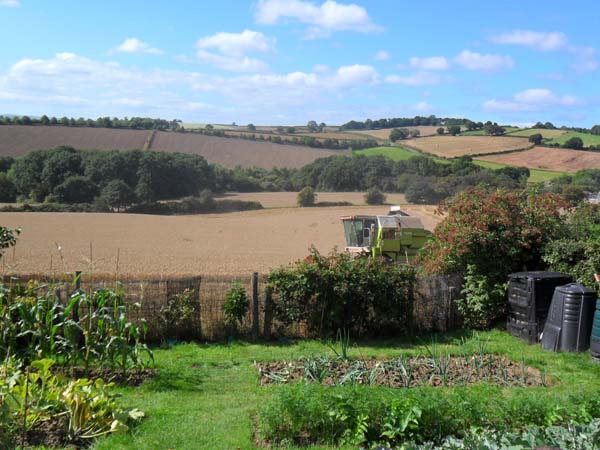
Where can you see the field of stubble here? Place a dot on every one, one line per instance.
(215, 244)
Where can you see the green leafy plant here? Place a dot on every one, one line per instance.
(482, 301)
(337, 292)
(236, 306)
(180, 316)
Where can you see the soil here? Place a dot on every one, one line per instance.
(401, 373)
(50, 433)
(549, 158)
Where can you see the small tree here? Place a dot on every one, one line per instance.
(251, 127)
(574, 143)
(414, 132)
(306, 197)
(453, 130)
(117, 194)
(440, 131)
(374, 196)
(398, 133)
(536, 138)
(76, 189)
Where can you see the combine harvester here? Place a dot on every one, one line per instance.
(396, 237)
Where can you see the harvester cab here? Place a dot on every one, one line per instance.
(396, 237)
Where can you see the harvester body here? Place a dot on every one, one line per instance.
(396, 237)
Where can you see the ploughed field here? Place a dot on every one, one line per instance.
(231, 152)
(455, 146)
(227, 244)
(17, 140)
(549, 158)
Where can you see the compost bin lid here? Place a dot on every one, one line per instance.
(539, 275)
(576, 288)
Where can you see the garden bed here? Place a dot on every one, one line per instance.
(403, 372)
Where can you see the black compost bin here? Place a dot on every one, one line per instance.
(529, 298)
(569, 324)
(595, 343)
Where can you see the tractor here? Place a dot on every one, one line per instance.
(396, 237)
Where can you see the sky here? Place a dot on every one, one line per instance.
(290, 61)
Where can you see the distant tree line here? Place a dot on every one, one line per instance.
(119, 179)
(134, 123)
(402, 122)
(308, 141)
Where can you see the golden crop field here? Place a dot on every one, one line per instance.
(455, 146)
(234, 243)
(549, 158)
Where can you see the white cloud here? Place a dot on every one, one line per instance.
(485, 63)
(233, 63)
(585, 57)
(228, 51)
(134, 45)
(10, 3)
(415, 79)
(423, 107)
(322, 19)
(538, 40)
(382, 55)
(530, 100)
(236, 44)
(430, 63)
(73, 85)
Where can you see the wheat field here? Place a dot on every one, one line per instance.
(132, 244)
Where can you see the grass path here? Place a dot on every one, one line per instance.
(204, 396)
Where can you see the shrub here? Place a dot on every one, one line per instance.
(374, 196)
(306, 197)
(336, 292)
(483, 302)
(180, 316)
(8, 238)
(574, 143)
(399, 133)
(536, 138)
(498, 232)
(236, 306)
(577, 251)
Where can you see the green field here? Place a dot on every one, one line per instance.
(394, 153)
(535, 175)
(206, 396)
(588, 139)
(547, 134)
(483, 133)
(403, 154)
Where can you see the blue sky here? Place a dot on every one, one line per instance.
(290, 61)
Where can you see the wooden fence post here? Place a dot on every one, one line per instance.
(268, 312)
(199, 308)
(255, 329)
(77, 288)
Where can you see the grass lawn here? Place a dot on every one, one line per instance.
(396, 153)
(204, 396)
(535, 175)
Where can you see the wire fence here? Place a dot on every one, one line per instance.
(151, 300)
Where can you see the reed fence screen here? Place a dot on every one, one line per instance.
(433, 308)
